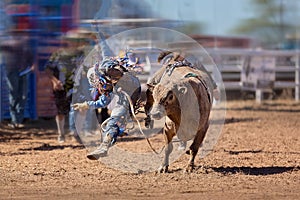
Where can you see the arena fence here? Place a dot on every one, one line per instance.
(258, 70)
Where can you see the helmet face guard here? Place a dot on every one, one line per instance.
(104, 84)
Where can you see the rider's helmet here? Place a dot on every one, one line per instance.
(112, 69)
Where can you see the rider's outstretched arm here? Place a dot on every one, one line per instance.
(102, 102)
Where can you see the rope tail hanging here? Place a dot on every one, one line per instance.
(140, 128)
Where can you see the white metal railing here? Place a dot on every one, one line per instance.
(232, 61)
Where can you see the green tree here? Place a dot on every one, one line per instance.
(273, 20)
(191, 27)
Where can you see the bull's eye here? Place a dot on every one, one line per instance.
(170, 98)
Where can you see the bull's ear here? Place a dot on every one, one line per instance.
(182, 89)
(162, 55)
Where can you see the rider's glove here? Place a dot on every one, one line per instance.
(81, 106)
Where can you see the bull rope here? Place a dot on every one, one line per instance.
(139, 125)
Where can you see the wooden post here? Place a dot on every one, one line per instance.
(258, 95)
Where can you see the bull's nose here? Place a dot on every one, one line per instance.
(157, 112)
(156, 115)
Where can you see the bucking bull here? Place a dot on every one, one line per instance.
(183, 95)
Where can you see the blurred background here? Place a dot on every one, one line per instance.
(254, 43)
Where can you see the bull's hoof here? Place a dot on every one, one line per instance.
(188, 152)
(163, 169)
(190, 168)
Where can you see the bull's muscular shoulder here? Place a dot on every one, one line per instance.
(177, 76)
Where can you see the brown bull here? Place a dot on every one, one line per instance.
(184, 98)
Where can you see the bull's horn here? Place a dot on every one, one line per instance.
(162, 55)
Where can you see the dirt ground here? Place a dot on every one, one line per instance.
(257, 157)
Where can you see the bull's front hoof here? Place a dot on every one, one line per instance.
(163, 169)
(190, 168)
(188, 152)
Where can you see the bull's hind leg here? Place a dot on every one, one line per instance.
(168, 135)
(194, 148)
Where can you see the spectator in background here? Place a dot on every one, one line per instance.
(18, 61)
(61, 69)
